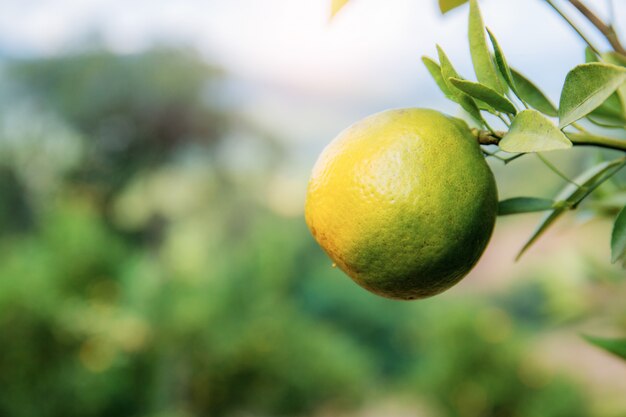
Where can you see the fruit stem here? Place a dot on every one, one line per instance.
(486, 137)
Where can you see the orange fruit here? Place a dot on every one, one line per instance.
(403, 202)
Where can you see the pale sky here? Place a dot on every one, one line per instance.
(302, 76)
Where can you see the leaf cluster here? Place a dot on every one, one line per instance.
(594, 91)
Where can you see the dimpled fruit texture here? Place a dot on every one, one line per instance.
(403, 202)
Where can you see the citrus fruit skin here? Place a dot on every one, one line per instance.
(403, 202)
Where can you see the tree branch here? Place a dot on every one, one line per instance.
(607, 31)
(584, 139)
(486, 137)
(573, 26)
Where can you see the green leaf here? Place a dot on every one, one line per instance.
(532, 95)
(435, 71)
(524, 205)
(614, 346)
(481, 56)
(486, 94)
(533, 132)
(605, 171)
(586, 87)
(590, 56)
(573, 193)
(543, 226)
(618, 237)
(614, 58)
(336, 6)
(447, 5)
(447, 72)
(617, 59)
(601, 122)
(611, 112)
(503, 66)
(589, 180)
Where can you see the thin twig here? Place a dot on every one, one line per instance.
(599, 182)
(507, 123)
(580, 128)
(514, 157)
(573, 25)
(498, 157)
(555, 169)
(493, 155)
(607, 31)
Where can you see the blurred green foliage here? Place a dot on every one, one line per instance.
(141, 273)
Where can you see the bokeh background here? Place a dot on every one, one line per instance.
(154, 259)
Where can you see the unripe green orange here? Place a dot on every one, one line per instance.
(403, 202)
